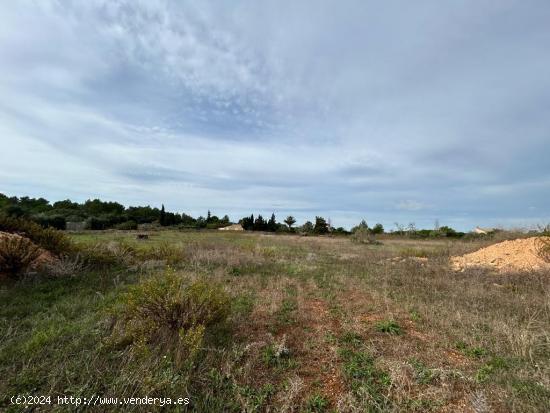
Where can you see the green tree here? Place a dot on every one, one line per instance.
(378, 229)
(162, 217)
(272, 224)
(260, 224)
(321, 226)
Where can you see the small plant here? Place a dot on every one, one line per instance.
(389, 326)
(17, 254)
(489, 368)
(474, 352)
(422, 373)
(277, 354)
(415, 316)
(317, 404)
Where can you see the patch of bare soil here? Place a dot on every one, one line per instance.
(507, 256)
(318, 368)
(319, 363)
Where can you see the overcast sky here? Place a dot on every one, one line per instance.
(388, 111)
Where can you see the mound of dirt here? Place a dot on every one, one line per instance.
(507, 256)
(44, 258)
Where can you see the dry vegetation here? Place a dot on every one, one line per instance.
(252, 322)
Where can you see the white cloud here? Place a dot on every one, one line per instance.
(353, 112)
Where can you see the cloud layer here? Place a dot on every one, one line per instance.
(400, 111)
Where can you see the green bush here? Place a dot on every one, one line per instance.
(170, 313)
(49, 239)
(16, 255)
(128, 225)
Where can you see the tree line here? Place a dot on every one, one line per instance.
(98, 215)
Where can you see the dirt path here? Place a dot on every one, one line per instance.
(319, 364)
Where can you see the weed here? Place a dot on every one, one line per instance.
(422, 373)
(317, 403)
(474, 352)
(415, 316)
(489, 368)
(277, 354)
(389, 326)
(367, 382)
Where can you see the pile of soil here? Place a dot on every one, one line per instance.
(507, 256)
(44, 258)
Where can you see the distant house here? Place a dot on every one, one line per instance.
(234, 227)
(75, 226)
(484, 231)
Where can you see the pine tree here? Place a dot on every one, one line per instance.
(162, 218)
(272, 224)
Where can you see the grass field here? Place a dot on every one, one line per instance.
(315, 324)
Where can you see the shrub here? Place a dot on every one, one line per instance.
(363, 235)
(16, 255)
(128, 225)
(49, 239)
(100, 256)
(171, 253)
(170, 313)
